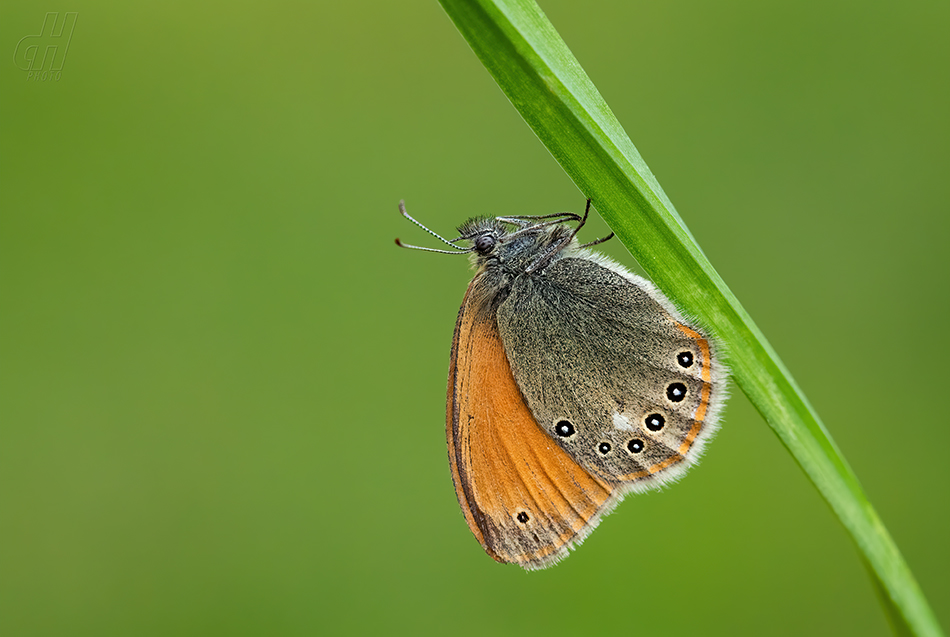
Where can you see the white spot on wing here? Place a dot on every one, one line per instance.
(622, 422)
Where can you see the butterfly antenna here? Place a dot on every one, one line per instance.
(412, 247)
(402, 210)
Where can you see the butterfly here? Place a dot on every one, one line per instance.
(572, 382)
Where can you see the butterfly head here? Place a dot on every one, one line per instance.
(511, 243)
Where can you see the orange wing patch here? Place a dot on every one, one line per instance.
(524, 498)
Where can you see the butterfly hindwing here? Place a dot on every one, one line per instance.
(610, 373)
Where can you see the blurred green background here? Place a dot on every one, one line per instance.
(222, 386)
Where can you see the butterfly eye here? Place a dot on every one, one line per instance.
(685, 359)
(676, 392)
(655, 422)
(485, 244)
(564, 429)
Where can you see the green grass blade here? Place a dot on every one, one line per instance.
(535, 69)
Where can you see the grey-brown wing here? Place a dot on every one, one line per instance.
(616, 379)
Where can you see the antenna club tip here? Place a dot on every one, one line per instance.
(399, 243)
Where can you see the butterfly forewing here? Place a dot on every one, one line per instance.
(524, 498)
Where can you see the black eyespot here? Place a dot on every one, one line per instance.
(635, 445)
(564, 429)
(655, 422)
(604, 448)
(676, 392)
(685, 359)
(523, 517)
(485, 244)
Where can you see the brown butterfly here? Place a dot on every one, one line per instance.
(572, 382)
